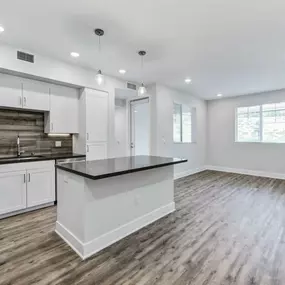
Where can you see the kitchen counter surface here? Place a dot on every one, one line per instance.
(99, 169)
(39, 157)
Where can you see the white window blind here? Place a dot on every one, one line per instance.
(182, 123)
(262, 123)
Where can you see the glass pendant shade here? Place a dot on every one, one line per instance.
(142, 90)
(99, 78)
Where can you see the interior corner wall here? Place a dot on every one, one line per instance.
(223, 153)
(162, 144)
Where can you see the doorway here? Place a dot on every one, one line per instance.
(140, 127)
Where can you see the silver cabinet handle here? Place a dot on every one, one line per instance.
(25, 101)
(88, 136)
(29, 177)
(24, 178)
(88, 148)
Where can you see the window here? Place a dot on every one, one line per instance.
(262, 123)
(182, 123)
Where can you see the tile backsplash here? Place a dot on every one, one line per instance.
(30, 127)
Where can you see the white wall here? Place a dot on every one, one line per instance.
(162, 144)
(223, 151)
(121, 128)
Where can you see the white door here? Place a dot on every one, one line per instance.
(97, 116)
(64, 110)
(10, 91)
(36, 95)
(96, 151)
(140, 127)
(40, 187)
(12, 191)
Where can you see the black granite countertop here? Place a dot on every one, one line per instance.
(99, 169)
(39, 157)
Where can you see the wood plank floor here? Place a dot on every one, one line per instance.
(228, 229)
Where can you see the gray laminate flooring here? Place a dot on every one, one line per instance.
(228, 229)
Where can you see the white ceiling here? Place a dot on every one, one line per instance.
(229, 47)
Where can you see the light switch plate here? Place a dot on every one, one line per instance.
(58, 144)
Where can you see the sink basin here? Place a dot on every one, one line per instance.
(21, 157)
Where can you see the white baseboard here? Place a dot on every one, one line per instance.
(85, 250)
(246, 171)
(189, 172)
(3, 216)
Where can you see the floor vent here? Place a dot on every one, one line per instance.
(25, 56)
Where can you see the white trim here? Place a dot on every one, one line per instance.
(85, 250)
(26, 210)
(246, 172)
(189, 172)
(70, 239)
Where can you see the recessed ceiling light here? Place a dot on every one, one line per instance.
(219, 95)
(74, 54)
(122, 71)
(188, 80)
(2, 29)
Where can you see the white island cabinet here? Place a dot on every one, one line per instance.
(26, 186)
(103, 201)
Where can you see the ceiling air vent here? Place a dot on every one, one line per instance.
(131, 86)
(25, 56)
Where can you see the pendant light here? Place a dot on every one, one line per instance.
(99, 76)
(142, 90)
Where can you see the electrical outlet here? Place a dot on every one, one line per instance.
(58, 144)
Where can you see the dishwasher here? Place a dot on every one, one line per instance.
(63, 161)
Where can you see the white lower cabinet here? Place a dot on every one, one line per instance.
(12, 191)
(40, 188)
(26, 185)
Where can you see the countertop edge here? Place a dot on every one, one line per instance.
(43, 158)
(118, 173)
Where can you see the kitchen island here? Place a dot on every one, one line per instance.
(103, 201)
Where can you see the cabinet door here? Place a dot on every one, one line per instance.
(64, 111)
(40, 187)
(36, 95)
(97, 116)
(96, 151)
(12, 191)
(10, 91)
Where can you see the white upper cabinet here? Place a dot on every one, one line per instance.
(63, 117)
(36, 95)
(97, 116)
(10, 91)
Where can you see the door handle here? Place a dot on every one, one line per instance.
(24, 178)
(88, 148)
(25, 101)
(88, 136)
(29, 175)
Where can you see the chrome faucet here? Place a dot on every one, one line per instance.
(19, 151)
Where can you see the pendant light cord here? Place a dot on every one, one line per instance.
(142, 69)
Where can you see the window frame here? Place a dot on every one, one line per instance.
(261, 141)
(192, 112)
